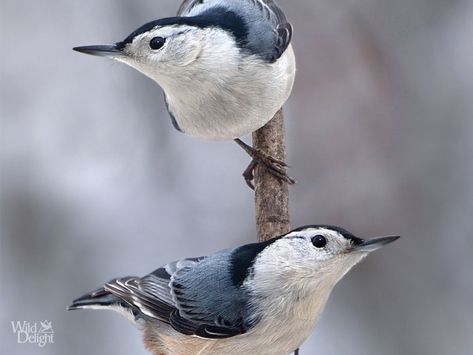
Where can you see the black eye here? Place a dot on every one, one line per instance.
(319, 241)
(157, 42)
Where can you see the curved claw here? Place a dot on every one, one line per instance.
(278, 172)
(275, 166)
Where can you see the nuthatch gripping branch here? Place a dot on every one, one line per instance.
(226, 67)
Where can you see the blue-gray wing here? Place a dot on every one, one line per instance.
(269, 32)
(195, 296)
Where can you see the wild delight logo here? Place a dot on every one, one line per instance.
(40, 333)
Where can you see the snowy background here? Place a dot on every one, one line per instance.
(95, 182)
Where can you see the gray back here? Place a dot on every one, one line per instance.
(268, 32)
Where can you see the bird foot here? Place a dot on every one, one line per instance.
(275, 167)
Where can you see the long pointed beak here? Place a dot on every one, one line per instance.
(101, 51)
(374, 244)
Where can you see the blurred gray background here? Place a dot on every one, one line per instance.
(95, 182)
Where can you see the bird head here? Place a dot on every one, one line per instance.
(312, 257)
(175, 48)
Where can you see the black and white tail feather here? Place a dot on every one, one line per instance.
(164, 295)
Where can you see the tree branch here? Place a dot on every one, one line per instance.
(271, 194)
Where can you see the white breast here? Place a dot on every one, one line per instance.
(225, 96)
(286, 327)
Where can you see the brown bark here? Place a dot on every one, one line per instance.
(271, 194)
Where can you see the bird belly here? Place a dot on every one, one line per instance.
(285, 329)
(229, 109)
(262, 341)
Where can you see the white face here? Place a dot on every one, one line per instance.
(316, 255)
(319, 244)
(162, 47)
(179, 52)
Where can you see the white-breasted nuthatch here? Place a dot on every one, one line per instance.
(261, 298)
(226, 67)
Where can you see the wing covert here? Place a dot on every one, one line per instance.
(194, 296)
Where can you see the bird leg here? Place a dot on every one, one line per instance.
(276, 167)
